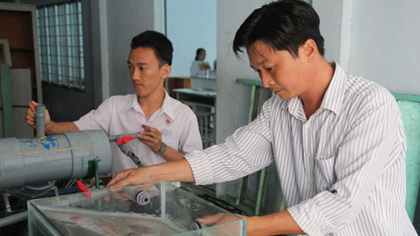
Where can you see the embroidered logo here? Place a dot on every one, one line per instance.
(168, 121)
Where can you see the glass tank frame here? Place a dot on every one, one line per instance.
(153, 209)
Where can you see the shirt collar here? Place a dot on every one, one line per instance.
(133, 105)
(295, 108)
(167, 106)
(333, 98)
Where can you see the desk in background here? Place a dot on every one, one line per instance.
(206, 98)
(204, 82)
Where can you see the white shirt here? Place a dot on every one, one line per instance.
(342, 171)
(195, 67)
(123, 115)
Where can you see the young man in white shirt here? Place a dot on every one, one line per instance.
(337, 140)
(168, 129)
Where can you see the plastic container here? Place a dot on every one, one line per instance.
(169, 210)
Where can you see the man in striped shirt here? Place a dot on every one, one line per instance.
(337, 140)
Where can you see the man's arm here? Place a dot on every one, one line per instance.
(60, 127)
(273, 224)
(51, 127)
(180, 171)
(172, 155)
(174, 171)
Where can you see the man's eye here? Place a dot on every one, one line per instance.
(269, 69)
(129, 67)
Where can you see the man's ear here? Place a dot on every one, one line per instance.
(166, 70)
(310, 49)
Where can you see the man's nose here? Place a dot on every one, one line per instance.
(266, 79)
(135, 74)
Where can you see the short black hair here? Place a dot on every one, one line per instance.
(199, 50)
(160, 44)
(283, 25)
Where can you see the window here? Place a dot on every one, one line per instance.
(60, 35)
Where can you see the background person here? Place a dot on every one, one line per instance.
(199, 64)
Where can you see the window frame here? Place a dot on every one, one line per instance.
(61, 46)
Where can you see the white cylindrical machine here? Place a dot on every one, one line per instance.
(64, 156)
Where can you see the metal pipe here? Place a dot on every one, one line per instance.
(40, 121)
(8, 220)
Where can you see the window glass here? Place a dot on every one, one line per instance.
(60, 33)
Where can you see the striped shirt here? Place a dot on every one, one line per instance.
(342, 171)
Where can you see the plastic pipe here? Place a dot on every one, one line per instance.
(13, 219)
(40, 121)
(65, 156)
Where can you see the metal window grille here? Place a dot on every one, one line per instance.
(60, 35)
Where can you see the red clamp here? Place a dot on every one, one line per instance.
(124, 140)
(83, 189)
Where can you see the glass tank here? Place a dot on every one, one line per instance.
(157, 209)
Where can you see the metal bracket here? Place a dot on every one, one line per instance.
(6, 202)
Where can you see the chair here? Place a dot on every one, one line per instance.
(410, 110)
(204, 121)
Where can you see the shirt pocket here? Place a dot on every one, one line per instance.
(324, 172)
(170, 139)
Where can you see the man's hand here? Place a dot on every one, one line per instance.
(30, 115)
(273, 224)
(130, 177)
(223, 218)
(151, 137)
(204, 66)
(172, 171)
(220, 218)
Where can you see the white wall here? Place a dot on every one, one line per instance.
(332, 22)
(385, 43)
(114, 24)
(232, 98)
(377, 40)
(125, 19)
(191, 24)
